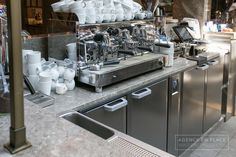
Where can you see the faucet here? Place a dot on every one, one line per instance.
(25, 35)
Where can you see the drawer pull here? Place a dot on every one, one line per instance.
(214, 62)
(203, 67)
(116, 105)
(141, 93)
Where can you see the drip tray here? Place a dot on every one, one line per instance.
(131, 148)
(40, 99)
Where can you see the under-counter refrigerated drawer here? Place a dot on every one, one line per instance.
(112, 114)
(147, 114)
(213, 93)
(192, 106)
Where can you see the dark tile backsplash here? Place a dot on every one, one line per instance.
(51, 46)
(37, 44)
(57, 45)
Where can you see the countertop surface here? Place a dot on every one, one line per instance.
(52, 136)
(83, 98)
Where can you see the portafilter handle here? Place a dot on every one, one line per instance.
(162, 45)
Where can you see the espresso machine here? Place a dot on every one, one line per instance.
(116, 54)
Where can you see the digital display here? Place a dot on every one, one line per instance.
(183, 33)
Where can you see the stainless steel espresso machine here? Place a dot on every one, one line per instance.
(115, 54)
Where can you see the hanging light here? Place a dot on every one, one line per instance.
(233, 6)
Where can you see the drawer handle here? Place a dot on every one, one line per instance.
(141, 93)
(175, 93)
(116, 105)
(214, 62)
(203, 68)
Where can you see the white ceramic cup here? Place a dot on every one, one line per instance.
(54, 74)
(107, 18)
(45, 76)
(72, 51)
(99, 18)
(108, 2)
(90, 11)
(140, 16)
(53, 66)
(77, 5)
(69, 74)
(78, 11)
(25, 53)
(113, 17)
(149, 15)
(34, 57)
(45, 87)
(99, 3)
(34, 69)
(61, 70)
(34, 80)
(119, 17)
(61, 80)
(24, 59)
(71, 48)
(99, 10)
(91, 18)
(81, 17)
(65, 8)
(54, 85)
(61, 88)
(70, 84)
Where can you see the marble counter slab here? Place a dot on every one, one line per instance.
(52, 136)
(83, 98)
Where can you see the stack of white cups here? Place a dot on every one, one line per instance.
(45, 82)
(99, 11)
(78, 7)
(90, 12)
(69, 76)
(46, 76)
(32, 66)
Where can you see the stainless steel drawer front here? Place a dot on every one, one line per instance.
(213, 93)
(147, 115)
(112, 114)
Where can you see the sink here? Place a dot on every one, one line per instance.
(89, 124)
(120, 140)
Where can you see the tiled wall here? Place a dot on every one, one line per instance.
(37, 44)
(57, 45)
(50, 46)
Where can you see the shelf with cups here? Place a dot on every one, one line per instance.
(72, 19)
(119, 23)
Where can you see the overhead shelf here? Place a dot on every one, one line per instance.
(117, 23)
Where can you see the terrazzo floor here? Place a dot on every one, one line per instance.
(220, 149)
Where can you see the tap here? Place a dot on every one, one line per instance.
(25, 35)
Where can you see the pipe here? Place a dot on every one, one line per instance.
(18, 140)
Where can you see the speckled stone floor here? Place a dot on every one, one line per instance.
(227, 149)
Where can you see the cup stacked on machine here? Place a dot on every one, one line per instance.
(98, 11)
